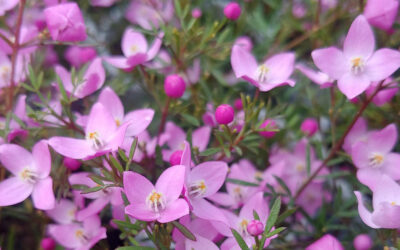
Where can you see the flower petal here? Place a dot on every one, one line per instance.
(133, 42)
(352, 85)
(141, 212)
(392, 165)
(15, 158)
(118, 62)
(213, 173)
(330, 61)
(280, 67)
(65, 235)
(71, 147)
(366, 216)
(205, 210)
(140, 120)
(170, 182)
(155, 47)
(43, 195)
(201, 243)
(13, 190)
(382, 64)
(100, 121)
(174, 211)
(93, 208)
(136, 187)
(63, 212)
(111, 101)
(243, 63)
(360, 41)
(42, 158)
(201, 137)
(93, 79)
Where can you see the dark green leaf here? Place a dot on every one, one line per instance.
(184, 230)
(191, 119)
(274, 232)
(96, 179)
(240, 182)
(239, 240)
(255, 215)
(210, 151)
(92, 190)
(116, 163)
(285, 214)
(126, 224)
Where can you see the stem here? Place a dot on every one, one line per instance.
(340, 142)
(15, 48)
(163, 119)
(332, 115)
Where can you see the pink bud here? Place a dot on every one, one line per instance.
(362, 242)
(71, 164)
(224, 114)
(48, 244)
(255, 228)
(238, 104)
(196, 13)
(175, 158)
(232, 11)
(309, 126)
(271, 124)
(174, 86)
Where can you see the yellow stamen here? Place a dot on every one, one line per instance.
(117, 122)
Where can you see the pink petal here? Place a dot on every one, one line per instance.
(201, 137)
(222, 199)
(383, 141)
(392, 165)
(117, 138)
(382, 64)
(100, 121)
(136, 59)
(360, 41)
(111, 101)
(65, 78)
(140, 120)
(200, 244)
(15, 158)
(43, 195)
(352, 85)
(205, 210)
(71, 147)
(13, 190)
(243, 63)
(118, 61)
(63, 212)
(93, 208)
(360, 154)
(186, 159)
(387, 216)
(258, 204)
(155, 47)
(366, 216)
(65, 235)
(42, 158)
(174, 210)
(358, 131)
(280, 67)
(319, 78)
(330, 61)
(141, 212)
(368, 176)
(133, 42)
(326, 242)
(170, 182)
(100, 235)
(213, 173)
(137, 187)
(177, 136)
(93, 79)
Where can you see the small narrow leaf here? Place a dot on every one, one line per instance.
(96, 179)
(210, 151)
(126, 224)
(273, 216)
(239, 240)
(122, 154)
(92, 190)
(116, 163)
(191, 119)
(240, 182)
(184, 230)
(255, 215)
(275, 232)
(285, 214)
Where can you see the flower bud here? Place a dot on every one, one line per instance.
(71, 164)
(196, 13)
(224, 114)
(175, 158)
(362, 242)
(271, 124)
(48, 244)
(174, 86)
(238, 104)
(232, 11)
(309, 126)
(255, 228)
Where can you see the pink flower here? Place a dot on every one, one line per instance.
(150, 14)
(93, 79)
(318, 77)
(7, 5)
(135, 50)
(374, 157)
(357, 133)
(63, 212)
(363, 242)
(79, 236)
(5, 69)
(102, 135)
(30, 175)
(381, 13)
(65, 22)
(139, 119)
(160, 202)
(385, 203)
(357, 65)
(77, 56)
(232, 11)
(327, 242)
(274, 72)
(309, 126)
(384, 95)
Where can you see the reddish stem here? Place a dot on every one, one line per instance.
(163, 119)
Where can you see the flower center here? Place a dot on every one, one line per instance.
(134, 48)
(243, 227)
(357, 65)
(28, 175)
(300, 168)
(261, 73)
(95, 139)
(118, 122)
(197, 188)
(393, 203)
(376, 160)
(81, 236)
(238, 194)
(258, 176)
(5, 72)
(155, 201)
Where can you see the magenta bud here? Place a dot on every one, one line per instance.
(196, 13)
(48, 244)
(271, 124)
(175, 158)
(71, 164)
(238, 104)
(309, 126)
(362, 242)
(174, 86)
(232, 11)
(255, 228)
(224, 114)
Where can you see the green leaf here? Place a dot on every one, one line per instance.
(92, 190)
(273, 216)
(191, 119)
(159, 158)
(255, 215)
(116, 163)
(133, 149)
(184, 230)
(61, 88)
(285, 214)
(240, 182)
(274, 232)
(122, 154)
(283, 185)
(79, 187)
(96, 179)
(127, 224)
(210, 151)
(239, 240)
